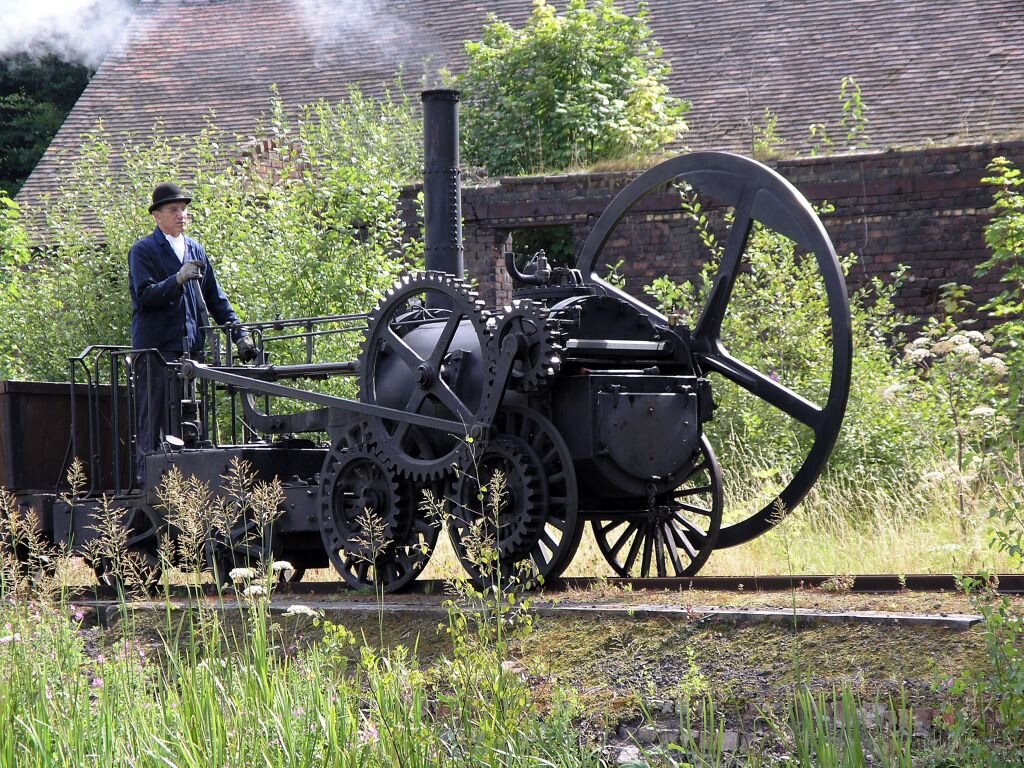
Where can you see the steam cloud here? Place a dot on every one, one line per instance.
(81, 31)
(368, 23)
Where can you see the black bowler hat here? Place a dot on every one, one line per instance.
(168, 193)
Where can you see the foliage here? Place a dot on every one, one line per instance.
(214, 690)
(820, 141)
(319, 234)
(986, 719)
(566, 90)
(777, 322)
(35, 96)
(853, 122)
(1005, 237)
(959, 391)
(767, 140)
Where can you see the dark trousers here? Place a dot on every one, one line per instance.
(152, 407)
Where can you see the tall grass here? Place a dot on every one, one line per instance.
(198, 689)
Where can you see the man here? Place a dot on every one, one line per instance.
(172, 286)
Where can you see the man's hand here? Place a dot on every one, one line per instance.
(190, 270)
(246, 349)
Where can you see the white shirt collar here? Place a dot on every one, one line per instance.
(177, 245)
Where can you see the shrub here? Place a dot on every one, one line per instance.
(320, 235)
(1005, 236)
(566, 90)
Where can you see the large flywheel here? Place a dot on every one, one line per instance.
(757, 195)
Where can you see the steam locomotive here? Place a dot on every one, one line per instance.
(589, 405)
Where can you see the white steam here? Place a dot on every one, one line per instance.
(366, 24)
(81, 31)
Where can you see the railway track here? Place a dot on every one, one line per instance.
(1009, 584)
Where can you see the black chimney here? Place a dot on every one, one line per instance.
(442, 187)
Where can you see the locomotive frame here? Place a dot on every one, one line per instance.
(590, 403)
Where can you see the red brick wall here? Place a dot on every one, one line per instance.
(926, 209)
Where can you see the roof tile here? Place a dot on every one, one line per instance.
(928, 72)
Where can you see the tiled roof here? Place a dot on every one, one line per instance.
(930, 70)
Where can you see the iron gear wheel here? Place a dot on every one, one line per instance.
(368, 520)
(544, 344)
(505, 514)
(537, 528)
(426, 351)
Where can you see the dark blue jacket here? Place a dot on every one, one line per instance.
(164, 314)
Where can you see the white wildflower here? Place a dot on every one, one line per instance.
(254, 590)
(918, 355)
(238, 575)
(966, 350)
(889, 393)
(919, 342)
(958, 339)
(982, 412)
(282, 566)
(303, 610)
(994, 365)
(977, 337)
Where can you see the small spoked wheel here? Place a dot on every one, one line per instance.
(369, 521)
(676, 535)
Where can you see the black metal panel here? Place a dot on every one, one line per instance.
(627, 432)
(296, 468)
(35, 434)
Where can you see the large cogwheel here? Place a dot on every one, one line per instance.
(541, 356)
(426, 352)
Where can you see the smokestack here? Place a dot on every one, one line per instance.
(442, 184)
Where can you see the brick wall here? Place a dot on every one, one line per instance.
(926, 209)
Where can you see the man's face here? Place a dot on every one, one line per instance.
(172, 218)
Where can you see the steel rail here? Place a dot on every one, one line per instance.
(1007, 584)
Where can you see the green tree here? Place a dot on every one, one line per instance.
(1005, 238)
(566, 90)
(316, 232)
(35, 97)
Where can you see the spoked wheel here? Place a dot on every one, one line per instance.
(674, 537)
(426, 353)
(530, 520)
(137, 564)
(369, 520)
(756, 194)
